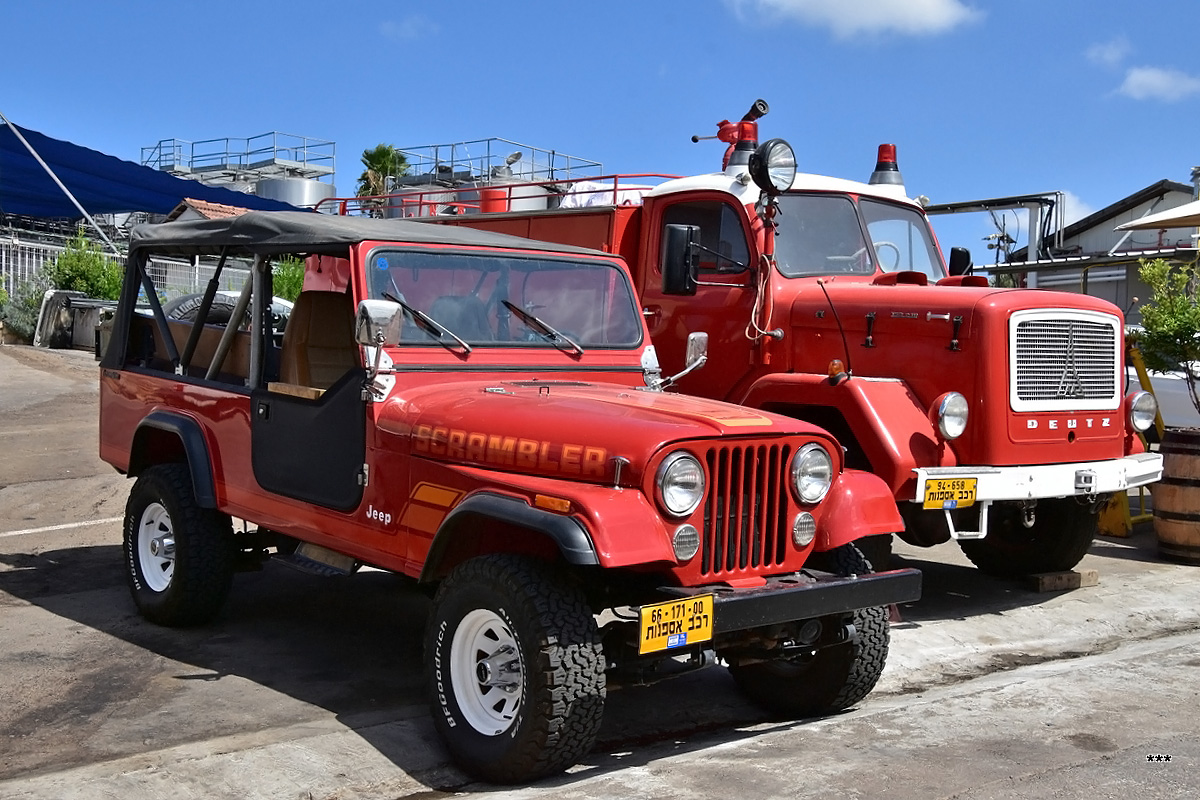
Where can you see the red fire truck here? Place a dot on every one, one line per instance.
(999, 418)
(484, 414)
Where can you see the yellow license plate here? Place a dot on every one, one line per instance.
(675, 623)
(950, 492)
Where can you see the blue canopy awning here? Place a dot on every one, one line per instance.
(101, 183)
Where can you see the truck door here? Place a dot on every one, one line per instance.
(723, 303)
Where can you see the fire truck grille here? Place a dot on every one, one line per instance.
(745, 513)
(1065, 359)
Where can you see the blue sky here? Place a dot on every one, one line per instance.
(1097, 99)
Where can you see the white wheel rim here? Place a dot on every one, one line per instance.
(486, 672)
(156, 547)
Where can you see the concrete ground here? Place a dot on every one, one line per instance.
(312, 688)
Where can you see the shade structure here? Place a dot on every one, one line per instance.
(1184, 216)
(102, 184)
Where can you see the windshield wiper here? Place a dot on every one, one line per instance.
(555, 337)
(429, 324)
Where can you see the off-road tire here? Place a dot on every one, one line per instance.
(877, 549)
(838, 676)
(561, 678)
(1059, 539)
(187, 306)
(193, 586)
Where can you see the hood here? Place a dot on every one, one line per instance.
(563, 429)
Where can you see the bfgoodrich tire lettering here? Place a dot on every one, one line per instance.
(515, 669)
(838, 676)
(179, 557)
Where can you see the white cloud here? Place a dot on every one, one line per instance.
(1074, 209)
(1110, 53)
(847, 19)
(408, 29)
(1156, 83)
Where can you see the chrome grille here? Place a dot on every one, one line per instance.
(745, 513)
(1065, 360)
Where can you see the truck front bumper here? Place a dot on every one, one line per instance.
(805, 595)
(1035, 482)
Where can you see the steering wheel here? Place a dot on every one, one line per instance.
(896, 255)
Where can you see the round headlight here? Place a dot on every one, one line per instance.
(773, 166)
(680, 484)
(950, 412)
(812, 472)
(1143, 409)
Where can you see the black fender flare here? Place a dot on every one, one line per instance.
(195, 451)
(567, 533)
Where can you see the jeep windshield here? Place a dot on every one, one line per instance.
(508, 300)
(828, 234)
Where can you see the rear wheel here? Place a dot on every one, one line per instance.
(179, 557)
(1062, 532)
(516, 670)
(839, 675)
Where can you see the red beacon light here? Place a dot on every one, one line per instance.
(886, 170)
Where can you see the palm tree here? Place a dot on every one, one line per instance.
(381, 162)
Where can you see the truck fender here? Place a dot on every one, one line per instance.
(466, 522)
(163, 437)
(887, 422)
(858, 504)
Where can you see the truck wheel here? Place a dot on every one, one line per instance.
(1060, 537)
(178, 556)
(516, 670)
(838, 676)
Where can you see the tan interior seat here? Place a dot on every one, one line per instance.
(318, 343)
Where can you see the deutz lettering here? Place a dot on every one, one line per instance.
(1071, 424)
(511, 451)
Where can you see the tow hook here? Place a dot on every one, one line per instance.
(1028, 518)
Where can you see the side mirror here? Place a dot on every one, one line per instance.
(680, 259)
(378, 323)
(696, 354)
(695, 357)
(960, 261)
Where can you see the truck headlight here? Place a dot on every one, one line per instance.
(680, 484)
(1142, 409)
(773, 166)
(950, 413)
(812, 472)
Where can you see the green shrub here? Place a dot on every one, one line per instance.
(1171, 320)
(20, 312)
(287, 278)
(83, 267)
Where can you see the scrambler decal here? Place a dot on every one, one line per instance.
(511, 451)
(427, 506)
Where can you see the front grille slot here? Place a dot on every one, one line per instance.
(1064, 360)
(745, 512)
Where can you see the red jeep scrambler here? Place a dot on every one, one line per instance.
(482, 413)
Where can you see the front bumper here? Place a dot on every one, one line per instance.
(1050, 480)
(803, 596)
(1041, 481)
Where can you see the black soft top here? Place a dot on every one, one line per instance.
(270, 233)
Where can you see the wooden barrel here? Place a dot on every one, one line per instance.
(1177, 497)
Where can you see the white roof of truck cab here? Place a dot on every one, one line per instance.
(749, 193)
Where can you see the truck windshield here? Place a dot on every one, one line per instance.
(901, 239)
(588, 302)
(822, 234)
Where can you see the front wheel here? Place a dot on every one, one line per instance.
(516, 670)
(1062, 532)
(839, 675)
(179, 557)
